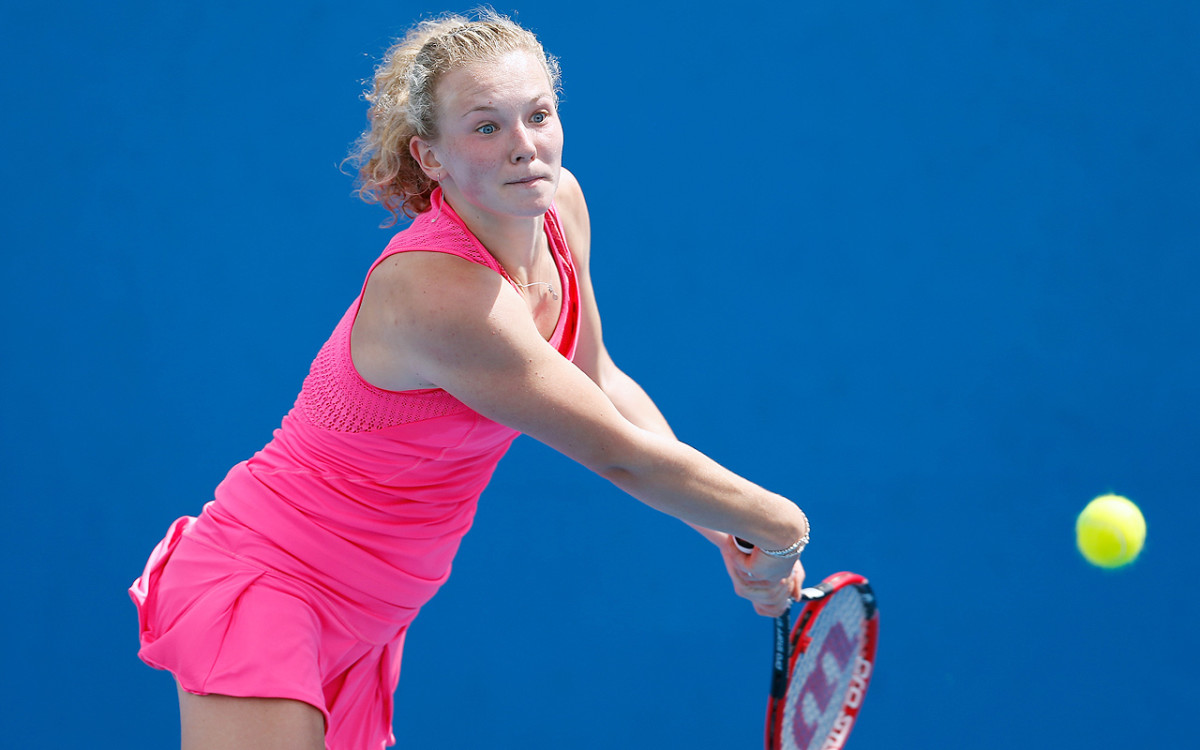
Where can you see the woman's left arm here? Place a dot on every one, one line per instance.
(592, 357)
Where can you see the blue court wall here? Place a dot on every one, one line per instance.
(928, 268)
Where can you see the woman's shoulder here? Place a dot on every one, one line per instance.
(573, 213)
(569, 198)
(430, 274)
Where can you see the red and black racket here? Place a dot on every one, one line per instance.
(821, 668)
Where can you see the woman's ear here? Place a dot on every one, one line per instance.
(422, 152)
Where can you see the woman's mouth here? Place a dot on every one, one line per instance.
(526, 180)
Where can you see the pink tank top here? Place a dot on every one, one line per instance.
(368, 492)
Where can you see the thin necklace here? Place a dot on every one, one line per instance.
(547, 284)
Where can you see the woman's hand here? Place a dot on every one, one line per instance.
(770, 584)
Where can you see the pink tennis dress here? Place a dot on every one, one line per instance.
(300, 578)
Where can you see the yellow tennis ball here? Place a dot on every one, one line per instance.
(1110, 531)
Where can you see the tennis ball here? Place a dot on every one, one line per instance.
(1110, 531)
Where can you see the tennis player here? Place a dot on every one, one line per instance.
(282, 608)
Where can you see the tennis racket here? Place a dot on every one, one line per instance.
(821, 669)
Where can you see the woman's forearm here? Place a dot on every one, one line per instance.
(636, 405)
(676, 479)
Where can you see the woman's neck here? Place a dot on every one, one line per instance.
(515, 241)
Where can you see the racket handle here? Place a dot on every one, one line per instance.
(779, 664)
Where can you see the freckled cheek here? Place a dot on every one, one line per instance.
(490, 166)
(472, 158)
(481, 163)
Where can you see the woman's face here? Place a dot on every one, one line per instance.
(499, 147)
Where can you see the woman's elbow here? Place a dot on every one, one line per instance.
(624, 460)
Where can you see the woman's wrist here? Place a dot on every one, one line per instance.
(794, 549)
(790, 552)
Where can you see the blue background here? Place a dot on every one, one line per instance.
(928, 268)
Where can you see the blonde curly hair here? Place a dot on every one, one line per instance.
(403, 104)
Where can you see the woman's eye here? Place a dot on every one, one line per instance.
(540, 117)
(486, 129)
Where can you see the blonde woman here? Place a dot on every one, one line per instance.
(282, 609)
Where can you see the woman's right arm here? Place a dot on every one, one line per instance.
(462, 328)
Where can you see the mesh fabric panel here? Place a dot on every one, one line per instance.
(336, 398)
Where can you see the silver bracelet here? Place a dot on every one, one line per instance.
(788, 552)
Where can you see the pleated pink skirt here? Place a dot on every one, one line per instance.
(221, 623)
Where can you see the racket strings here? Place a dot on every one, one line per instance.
(824, 670)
